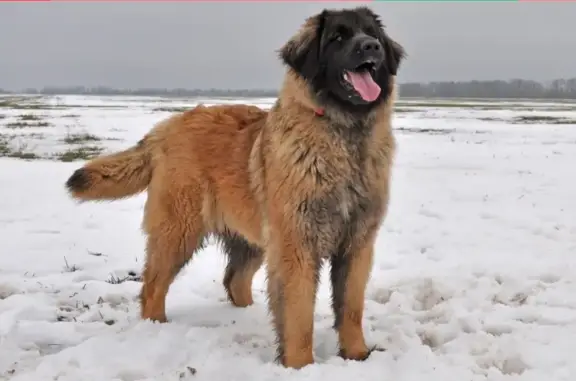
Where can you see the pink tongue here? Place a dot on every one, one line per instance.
(364, 85)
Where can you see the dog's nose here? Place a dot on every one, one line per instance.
(370, 45)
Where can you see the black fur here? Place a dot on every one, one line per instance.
(79, 181)
(275, 288)
(321, 57)
(240, 254)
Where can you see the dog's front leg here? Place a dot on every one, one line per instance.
(293, 274)
(349, 273)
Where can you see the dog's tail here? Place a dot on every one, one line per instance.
(114, 176)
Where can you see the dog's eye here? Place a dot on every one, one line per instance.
(372, 32)
(340, 34)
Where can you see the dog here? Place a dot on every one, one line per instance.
(304, 183)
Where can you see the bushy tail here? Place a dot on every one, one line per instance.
(113, 176)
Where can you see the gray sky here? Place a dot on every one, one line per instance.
(232, 45)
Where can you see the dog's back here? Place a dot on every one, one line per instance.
(188, 144)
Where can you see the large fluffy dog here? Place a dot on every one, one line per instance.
(306, 181)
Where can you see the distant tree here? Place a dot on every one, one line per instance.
(514, 88)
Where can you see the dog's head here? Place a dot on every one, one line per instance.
(346, 57)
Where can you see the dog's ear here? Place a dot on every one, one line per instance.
(302, 51)
(395, 53)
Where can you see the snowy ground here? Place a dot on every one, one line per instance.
(474, 276)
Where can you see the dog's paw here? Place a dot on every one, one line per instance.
(361, 355)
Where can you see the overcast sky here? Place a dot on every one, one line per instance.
(232, 45)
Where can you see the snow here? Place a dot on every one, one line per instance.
(474, 276)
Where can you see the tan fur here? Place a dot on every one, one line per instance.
(260, 175)
(289, 182)
(116, 176)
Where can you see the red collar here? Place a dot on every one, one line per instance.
(319, 111)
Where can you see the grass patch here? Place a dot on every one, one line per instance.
(28, 103)
(477, 106)
(428, 131)
(491, 119)
(70, 269)
(542, 119)
(23, 155)
(32, 135)
(437, 104)
(405, 109)
(132, 276)
(4, 146)
(29, 117)
(15, 105)
(486, 106)
(532, 119)
(8, 104)
(19, 153)
(171, 109)
(15, 125)
(80, 138)
(80, 153)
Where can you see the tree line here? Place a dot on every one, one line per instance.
(104, 90)
(515, 88)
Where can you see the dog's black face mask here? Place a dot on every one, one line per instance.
(348, 59)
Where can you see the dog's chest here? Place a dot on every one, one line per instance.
(335, 218)
(353, 182)
(349, 200)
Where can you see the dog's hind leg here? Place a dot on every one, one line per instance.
(349, 275)
(175, 231)
(244, 259)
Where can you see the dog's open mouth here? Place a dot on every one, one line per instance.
(361, 78)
